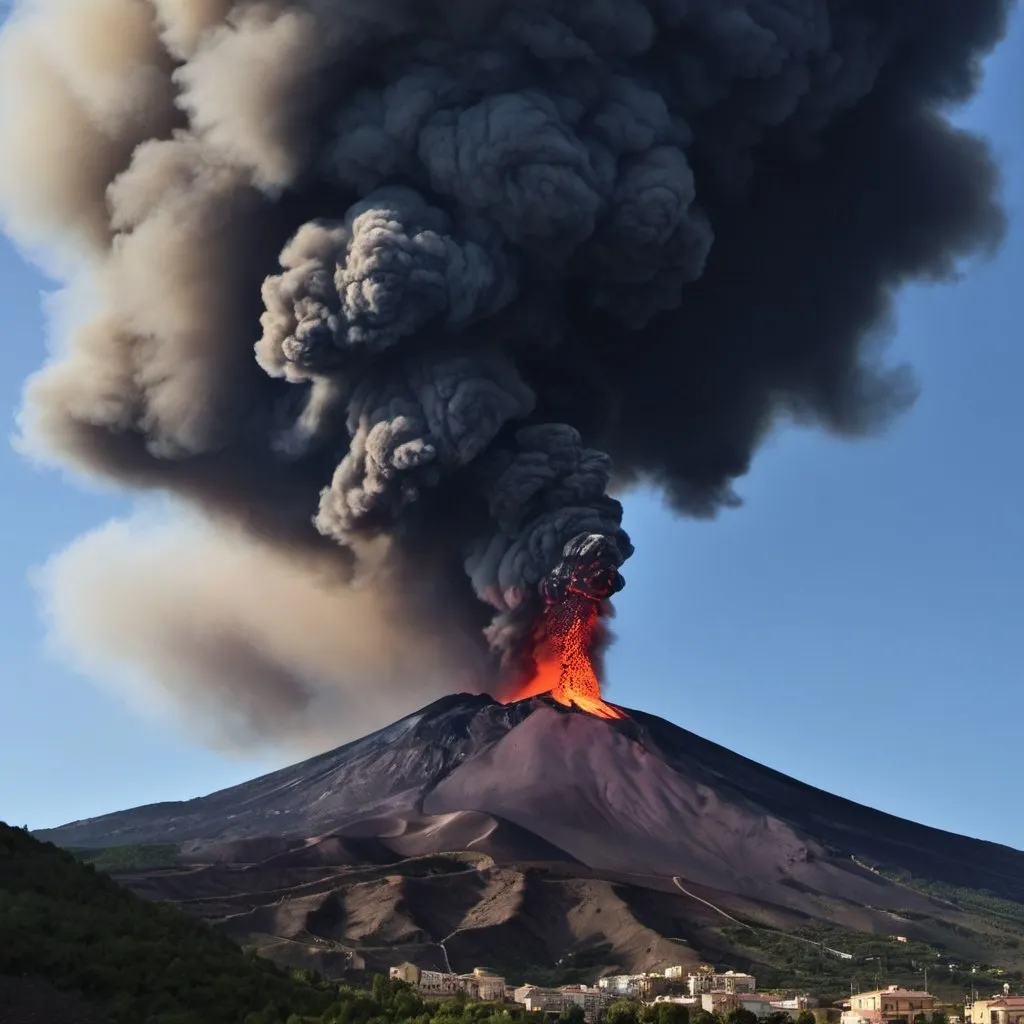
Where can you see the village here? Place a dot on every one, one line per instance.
(716, 994)
(705, 990)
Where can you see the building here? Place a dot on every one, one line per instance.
(407, 972)
(481, 984)
(675, 973)
(725, 1002)
(978, 1012)
(428, 982)
(438, 983)
(542, 1000)
(1005, 1009)
(732, 982)
(888, 1005)
(701, 978)
(700, 982)
(719, 1002)
(488, 987)
(795, 1003)
(649, 986)
(621, 985)
(591, 1000)
(761, 1005)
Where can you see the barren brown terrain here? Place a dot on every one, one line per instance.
(543, 841)
(452, 911)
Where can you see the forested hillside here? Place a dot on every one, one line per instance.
(66, 929)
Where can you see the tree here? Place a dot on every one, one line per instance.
(741, 1016)
(622, 1011)
(572, 1015)
(805, 1017)
(673, 1013)
(406, 1004)
(938, 1017)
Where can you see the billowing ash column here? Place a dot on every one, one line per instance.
(589, 569)
(483, 248)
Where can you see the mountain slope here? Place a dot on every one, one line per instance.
(542, 840)
(639, 796)
(77, 948)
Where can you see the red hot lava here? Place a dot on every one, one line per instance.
(565, 668)
(570, 633)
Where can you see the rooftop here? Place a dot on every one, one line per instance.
(903, 993)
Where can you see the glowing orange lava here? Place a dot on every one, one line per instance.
(564, 665)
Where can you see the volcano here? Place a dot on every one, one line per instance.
(672, 837)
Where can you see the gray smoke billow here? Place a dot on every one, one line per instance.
(388, 287)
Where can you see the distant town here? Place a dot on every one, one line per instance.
(727, 995)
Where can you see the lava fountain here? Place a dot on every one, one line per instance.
(570, 634)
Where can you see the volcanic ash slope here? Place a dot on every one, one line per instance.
(535, 781)
(519, 835)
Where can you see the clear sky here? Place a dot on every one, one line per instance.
(858, 624)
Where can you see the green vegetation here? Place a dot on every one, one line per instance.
(62, 920)
(800, 960)
(120, 859)
(978, 900)
(672, 1013)
(435, 864)
(741, 1016)
(632, 1011)
(67, 923)
(624, 1011)
(579, 968)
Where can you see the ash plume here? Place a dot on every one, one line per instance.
(186, 620)
(410, 278)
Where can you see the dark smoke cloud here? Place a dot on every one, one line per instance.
(479, 246)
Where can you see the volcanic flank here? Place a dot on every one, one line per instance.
(381, 288)
(519, 834)
(636, 796)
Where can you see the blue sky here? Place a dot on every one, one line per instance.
(857, 624)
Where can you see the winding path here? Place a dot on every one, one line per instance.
(677, 881)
